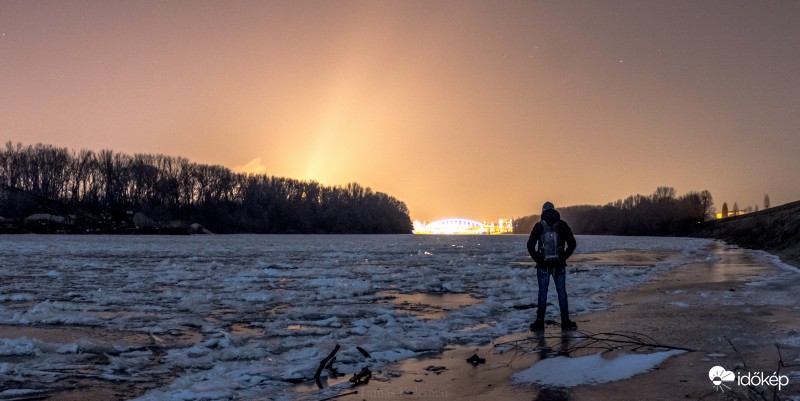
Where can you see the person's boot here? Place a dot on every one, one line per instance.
(537, 325)
(567, 324)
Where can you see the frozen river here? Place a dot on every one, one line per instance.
(251, 316)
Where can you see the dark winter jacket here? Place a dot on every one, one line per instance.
(565, 237)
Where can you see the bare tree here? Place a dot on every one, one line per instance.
(708, 205)
(663, 194)
(766, 201)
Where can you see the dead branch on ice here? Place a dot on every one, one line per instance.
(574, 341)
(325, 361)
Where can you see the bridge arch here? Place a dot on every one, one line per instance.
(454, 226)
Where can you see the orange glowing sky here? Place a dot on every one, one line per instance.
(466, 109)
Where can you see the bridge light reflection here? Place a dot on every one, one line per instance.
(463, 226)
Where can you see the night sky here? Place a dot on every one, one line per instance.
(481, 110)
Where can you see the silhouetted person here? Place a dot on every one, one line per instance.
(551, 243)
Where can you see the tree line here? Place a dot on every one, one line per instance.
(661, 213)
(168, 189)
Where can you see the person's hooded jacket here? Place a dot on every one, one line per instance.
(565, 237)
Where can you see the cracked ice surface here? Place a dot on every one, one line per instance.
(245, 316)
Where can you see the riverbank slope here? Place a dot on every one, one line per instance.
(775, 230)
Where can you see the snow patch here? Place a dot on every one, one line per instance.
(590, 369)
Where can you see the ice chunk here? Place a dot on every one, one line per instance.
(19, 346)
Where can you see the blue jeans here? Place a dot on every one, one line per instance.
(559, 275)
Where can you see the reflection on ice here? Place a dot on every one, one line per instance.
(427, 306)
(299, 327)
(247, 316)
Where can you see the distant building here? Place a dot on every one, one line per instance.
(732, 213)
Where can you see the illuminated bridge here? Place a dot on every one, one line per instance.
(463, 226)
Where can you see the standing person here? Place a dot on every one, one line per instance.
(546, 246)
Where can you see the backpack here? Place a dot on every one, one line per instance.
(548, 244)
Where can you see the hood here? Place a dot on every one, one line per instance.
(551, 216)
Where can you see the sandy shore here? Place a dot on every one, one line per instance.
(709, 308)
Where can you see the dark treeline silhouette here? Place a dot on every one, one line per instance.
(659, 214)
(157, 190)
